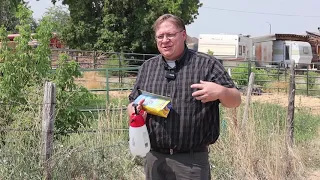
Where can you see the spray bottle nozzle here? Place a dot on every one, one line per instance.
(135, 108)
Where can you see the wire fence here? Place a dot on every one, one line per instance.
(101, 150)
(114, 72)
(97, 151)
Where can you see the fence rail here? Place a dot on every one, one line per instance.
(275, 76)
(273, 79)
(267, 78)
(114, 72)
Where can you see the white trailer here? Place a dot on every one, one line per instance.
(281, 49)
(226, 46)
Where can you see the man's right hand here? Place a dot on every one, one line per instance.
(130, 109)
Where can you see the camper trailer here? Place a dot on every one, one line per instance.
(280, 49)
(226, 46)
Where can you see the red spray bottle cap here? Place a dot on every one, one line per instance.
(136, 119)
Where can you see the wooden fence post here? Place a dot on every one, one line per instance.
(290, 116)
(248, 100)
(47, 127)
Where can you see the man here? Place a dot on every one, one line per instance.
(196, 84)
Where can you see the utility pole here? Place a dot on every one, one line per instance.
(269, 27)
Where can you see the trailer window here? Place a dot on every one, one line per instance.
(287, 54)
(240, 50)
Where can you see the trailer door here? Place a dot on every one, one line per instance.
(287, 50)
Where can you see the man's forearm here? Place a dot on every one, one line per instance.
(230, 98)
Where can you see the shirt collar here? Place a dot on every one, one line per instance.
(179, 62)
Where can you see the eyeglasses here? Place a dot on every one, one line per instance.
(168, 35)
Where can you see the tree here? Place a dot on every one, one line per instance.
(86, 18)
(59, 16)
(8, 8)
(26, 68)
(127, 23)
(122, 25)
(8, 19)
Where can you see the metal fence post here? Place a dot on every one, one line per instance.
(120, 71)
(285, 77)
(249, 69)
(278, 76)
(107, 85)
(307, 81)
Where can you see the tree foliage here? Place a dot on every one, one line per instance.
(59, 16)
(86, 18)
(8, 19)
(123, 25)
(26, 68)
(8, 8)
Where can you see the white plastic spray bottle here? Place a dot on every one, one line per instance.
(139, 142)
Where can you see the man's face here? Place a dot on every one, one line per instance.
(170, 40)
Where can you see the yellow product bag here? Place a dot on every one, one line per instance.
(154, 104)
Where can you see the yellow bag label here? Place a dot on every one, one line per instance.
(155, 104)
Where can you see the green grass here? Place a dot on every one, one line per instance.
(306, 125)
(273, 115)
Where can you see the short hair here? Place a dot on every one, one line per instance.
(178, 22)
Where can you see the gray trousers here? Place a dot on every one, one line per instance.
(181, 166)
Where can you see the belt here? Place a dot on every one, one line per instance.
(173, 151)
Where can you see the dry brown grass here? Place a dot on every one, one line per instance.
(310, 152)
(267, 158)
(276, 86)
(92, 80)
(119, 94)
(252, 154)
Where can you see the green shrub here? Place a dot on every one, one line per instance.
(116, 61)
(240, 75)
(26, 68)
(311, 78)
(210, 52)
(70, 97)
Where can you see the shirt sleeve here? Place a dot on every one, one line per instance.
(219, 75)
(135, 93)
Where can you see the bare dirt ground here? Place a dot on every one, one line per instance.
(314, 175)
(282, 99)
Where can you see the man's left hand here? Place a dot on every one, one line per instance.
(207, 91)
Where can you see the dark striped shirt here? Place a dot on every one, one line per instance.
(190, 123)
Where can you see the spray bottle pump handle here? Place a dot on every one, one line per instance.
(135, 108)
(136, 119)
